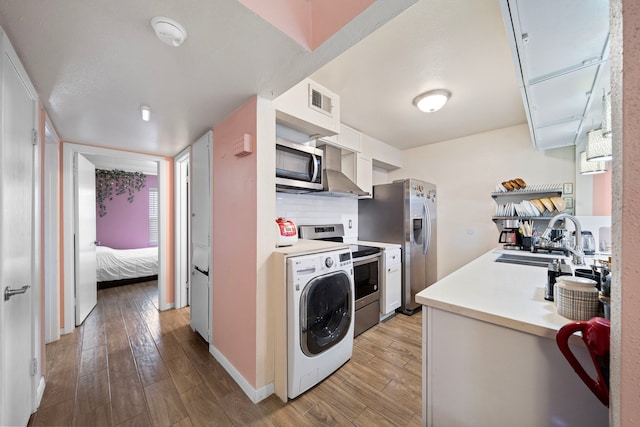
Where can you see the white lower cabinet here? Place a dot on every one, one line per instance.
(391, 282)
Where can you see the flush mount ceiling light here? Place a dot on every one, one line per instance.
(146, 113)
(169, 31)
(590, 168)
(432, 101)
(599, 147)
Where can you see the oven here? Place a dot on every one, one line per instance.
(366, 278)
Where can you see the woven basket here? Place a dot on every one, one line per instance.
(576, 304)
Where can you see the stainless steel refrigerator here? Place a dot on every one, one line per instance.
(404, 212)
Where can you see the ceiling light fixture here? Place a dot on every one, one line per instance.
(590, 168)
(169, 31)
(432, 101)
(599, 148)
(146, 113)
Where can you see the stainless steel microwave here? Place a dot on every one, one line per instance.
(298, 167)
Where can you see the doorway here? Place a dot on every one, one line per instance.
(71, 150)
(182, 221)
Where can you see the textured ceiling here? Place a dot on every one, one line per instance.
(459, 45)
(94, 63)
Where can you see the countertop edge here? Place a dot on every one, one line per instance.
(494, 319)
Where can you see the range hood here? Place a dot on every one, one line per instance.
(336, 183)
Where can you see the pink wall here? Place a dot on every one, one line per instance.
(292, 17)
(602, 193)
(329, 16)
(309, 22)
(626, 220)
(126, 225)
(234, 242)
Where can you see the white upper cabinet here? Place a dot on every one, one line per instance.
(383, 155)
(348, 139)
(561, 52)
(309, 108)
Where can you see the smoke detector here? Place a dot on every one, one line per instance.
(169, 31)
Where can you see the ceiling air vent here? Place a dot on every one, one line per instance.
(320, 101)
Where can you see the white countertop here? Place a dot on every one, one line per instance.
(309, 246)
(503, 294)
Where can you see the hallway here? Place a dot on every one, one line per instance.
(131, 365)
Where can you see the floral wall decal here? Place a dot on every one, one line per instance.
(115, 182)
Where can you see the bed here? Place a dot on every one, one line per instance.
(118, 265)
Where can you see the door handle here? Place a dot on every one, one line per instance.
(8, 292)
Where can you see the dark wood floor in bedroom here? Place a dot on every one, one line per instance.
(130, 365)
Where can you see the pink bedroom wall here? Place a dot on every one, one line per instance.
(234, 242)
(309, 22)
(602, 193)
(126, 225)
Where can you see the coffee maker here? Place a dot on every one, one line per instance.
(510, 235)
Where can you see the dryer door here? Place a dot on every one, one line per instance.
(325, 312)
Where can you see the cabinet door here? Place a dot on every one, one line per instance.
(393, 288)
(350, 138)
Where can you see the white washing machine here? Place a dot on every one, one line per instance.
(320, 310)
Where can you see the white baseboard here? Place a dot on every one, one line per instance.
(40, 392)
(253, 394)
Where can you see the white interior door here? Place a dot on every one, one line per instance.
(16, 221)
(85, 241)
(201, 236)
(182, 222)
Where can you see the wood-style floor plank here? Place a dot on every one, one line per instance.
(93, 359)
(281, 414)
(165, 405)
(127, 399)
(242, 411)
(60, 414)
(130, 365)
(93, 391)
(323, 414)
(183, 373)
(60, 387)
(98, 416)
(203, 408)
(151, 368)
(141, 420)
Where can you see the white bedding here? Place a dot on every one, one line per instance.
(118, 264)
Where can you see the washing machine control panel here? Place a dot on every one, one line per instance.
(303, 267)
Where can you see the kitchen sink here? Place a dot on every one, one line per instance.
(534, 261)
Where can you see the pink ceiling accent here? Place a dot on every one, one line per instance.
(309, 22)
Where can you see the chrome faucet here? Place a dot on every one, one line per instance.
(578, 253)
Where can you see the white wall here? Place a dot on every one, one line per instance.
(310, 209)
(466, 170)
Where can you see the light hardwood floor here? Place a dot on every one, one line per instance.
(129, 365)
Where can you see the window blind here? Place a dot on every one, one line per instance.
(153, 217)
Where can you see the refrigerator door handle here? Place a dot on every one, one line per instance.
(426, 241)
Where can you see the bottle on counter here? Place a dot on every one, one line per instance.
(555, 269)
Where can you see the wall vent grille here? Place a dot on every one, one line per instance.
(320, 101)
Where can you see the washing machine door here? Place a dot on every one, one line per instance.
(325, 312)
